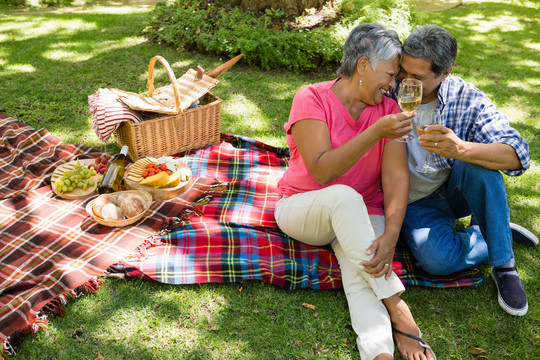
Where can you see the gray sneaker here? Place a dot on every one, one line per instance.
(522, 235)
(511, 294)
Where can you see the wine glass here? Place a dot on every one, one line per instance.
(409, 98)
(425, 119)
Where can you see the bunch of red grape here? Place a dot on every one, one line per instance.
(100, 165)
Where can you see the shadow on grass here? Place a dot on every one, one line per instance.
(46, 77)
(135, 319)
(496, 49)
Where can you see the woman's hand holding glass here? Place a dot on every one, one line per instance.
(393, 126)
(409, 99)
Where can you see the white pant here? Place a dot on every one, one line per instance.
(337, 215)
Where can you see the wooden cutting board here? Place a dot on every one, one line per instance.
(160, 193)
(77, 193)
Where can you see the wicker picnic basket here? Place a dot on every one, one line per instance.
(166, 134)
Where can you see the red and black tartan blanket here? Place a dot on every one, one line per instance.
(50, 251)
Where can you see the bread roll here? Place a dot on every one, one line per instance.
(121, 195)
(100, 202)
(132, 205)
(112, 212)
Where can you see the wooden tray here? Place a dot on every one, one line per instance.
(147, 200)
(160, 193)
(77, 193)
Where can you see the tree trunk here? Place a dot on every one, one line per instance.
(289, 7)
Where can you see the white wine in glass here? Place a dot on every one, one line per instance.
(409, 103)
(423, 121)
(409, 98)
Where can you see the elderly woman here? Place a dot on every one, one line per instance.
(343, 159)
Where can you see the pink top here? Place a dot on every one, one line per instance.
(319, 102)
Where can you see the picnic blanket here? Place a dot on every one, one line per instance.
(50, 250)
(236, 238)
(222, 230)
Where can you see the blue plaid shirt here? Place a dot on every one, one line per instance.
(469, 113)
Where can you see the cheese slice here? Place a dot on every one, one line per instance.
(174, 179)
(157, 180)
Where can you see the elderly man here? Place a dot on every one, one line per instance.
(473, 143)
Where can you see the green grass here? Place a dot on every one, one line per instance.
(51, 61)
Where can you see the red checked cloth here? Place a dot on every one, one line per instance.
(28, 157)
(109, 112)
(48, 246)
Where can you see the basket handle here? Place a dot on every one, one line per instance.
(150, 83)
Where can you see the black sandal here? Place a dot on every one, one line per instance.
(419, 339)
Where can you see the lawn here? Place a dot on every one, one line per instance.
(50, 61)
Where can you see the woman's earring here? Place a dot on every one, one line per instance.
(360, 82)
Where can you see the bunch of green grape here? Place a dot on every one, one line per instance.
(79, 177)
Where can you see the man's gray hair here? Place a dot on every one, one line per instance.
(433, 44)
(371, 40)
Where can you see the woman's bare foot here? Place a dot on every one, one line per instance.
(402, 320)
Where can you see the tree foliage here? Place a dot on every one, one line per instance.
(288, 7)
(269, 39)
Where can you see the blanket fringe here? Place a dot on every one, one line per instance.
(205, 191)
(207, 194)
(120, 269)
(140, 252)
(53, 308)
(168, 225)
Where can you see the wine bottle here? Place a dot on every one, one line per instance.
(114, 174)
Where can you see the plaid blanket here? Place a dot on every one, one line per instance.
(237, 237)
(50, 250)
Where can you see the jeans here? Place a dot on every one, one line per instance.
(428, 227)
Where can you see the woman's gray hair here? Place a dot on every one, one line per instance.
(433, 44)
(371, 40)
